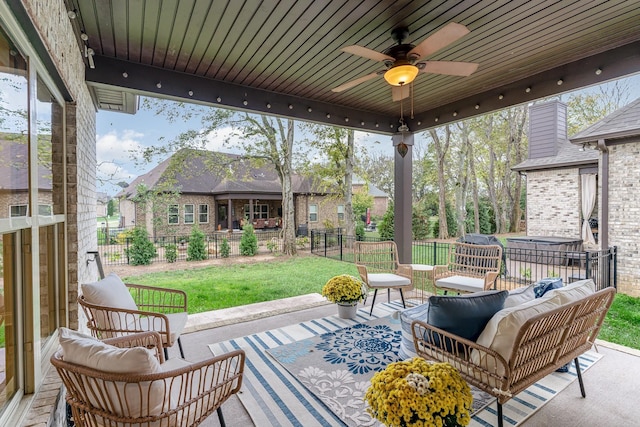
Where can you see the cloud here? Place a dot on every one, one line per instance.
(225, 140)
(117, 146)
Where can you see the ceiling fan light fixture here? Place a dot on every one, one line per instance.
(401, 75)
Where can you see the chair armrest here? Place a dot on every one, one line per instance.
(362, 270)
(491, 371)
(490, 280)
(440, 271)
(150, 340)
(121, 321)
(206, 385)
(160, 300)
(405, 270)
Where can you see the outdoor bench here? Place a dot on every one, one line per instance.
(522, 344)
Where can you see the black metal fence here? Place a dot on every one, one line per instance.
(522, 266)
(117, 252)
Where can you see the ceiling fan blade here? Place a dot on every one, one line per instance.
(441, 38)
(398, 93)
(367, 53)
(352, 83)
(450, 68)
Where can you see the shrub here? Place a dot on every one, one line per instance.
(197, 250)
(225, 249)
(171, 252)
(385, 228)
(142, 250)
(360, 230)
(419, 225)
(272, 245)
(248, 241)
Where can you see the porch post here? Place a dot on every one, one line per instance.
(402, 195)
(229, 217)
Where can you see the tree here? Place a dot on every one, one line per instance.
(336, 174)
(441, 145)
(111, 207)
(361, 201)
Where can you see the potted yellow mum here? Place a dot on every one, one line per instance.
(416, 392)
(346, 291)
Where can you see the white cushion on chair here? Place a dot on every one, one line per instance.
(110, 291)
(387, 280)
(461, 283)
(126, 399)
(177, 322)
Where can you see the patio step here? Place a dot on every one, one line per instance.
(245, 313)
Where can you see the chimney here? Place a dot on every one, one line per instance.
(547, 128)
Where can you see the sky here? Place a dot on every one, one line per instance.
(120, 135)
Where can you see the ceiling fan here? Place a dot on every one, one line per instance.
(403, 61)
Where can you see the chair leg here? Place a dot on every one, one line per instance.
(220, 417)
(579, 377)
(180, 347)
(402, 298)
(373, 301)
(499, 414)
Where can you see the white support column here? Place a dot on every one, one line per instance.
(402, 204)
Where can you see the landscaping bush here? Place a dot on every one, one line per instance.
(360, 230)
(385, 227)
(171, 252)
(248, 241)
(225, 249)
(197, 249)
(142, 250)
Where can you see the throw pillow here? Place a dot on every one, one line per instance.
(129, 399)
(465, 315)
(110, 292)
(519, 296)
(545, 285)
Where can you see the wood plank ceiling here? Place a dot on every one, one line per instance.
(283, 57)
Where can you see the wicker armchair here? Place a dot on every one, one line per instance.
(379, 268)
(181, 394)
(152, 309)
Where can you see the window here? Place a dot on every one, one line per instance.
(189, 217)
(18, 210)
(45, 210)
(203, 214)
(313, 213)
(259, 211)
(340, 212)
(173, 214)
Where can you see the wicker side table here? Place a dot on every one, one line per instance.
(422, 282)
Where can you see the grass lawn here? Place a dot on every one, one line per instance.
(622, 323)
(217, 287)
(234, 285)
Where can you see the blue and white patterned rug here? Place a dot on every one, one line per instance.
(273, 396)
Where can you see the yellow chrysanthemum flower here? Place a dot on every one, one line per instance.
(419, 393)
(344, 289)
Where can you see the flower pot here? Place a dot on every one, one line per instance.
(347, 310)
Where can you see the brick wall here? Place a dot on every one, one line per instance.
(624, 214)
(327, 210)
(553, 203)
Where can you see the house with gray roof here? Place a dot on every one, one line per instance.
(587, 183)
(220, 191)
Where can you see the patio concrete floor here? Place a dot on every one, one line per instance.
(612, 384)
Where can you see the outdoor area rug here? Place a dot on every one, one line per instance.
(277, 396)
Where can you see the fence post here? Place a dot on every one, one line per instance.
(325, 244)
(586, 265)
(340, 243)
(435, 250)
(127, 251)
(614, 255)
(313, 232)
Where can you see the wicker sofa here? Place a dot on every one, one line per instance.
(521, 343)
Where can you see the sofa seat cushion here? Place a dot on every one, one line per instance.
(461, 283)
(387, 280)
(177, 322)
(464, 316)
